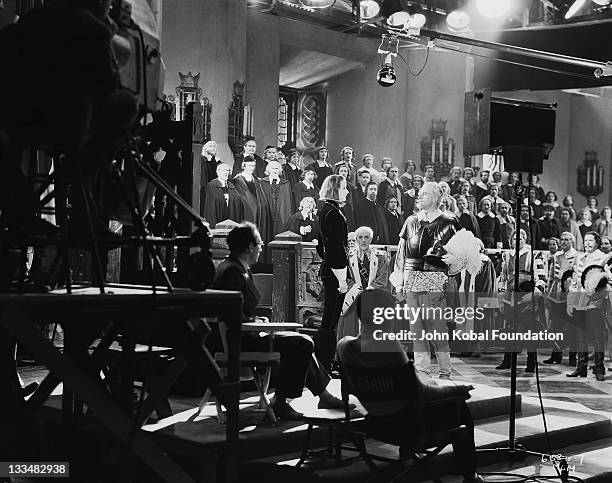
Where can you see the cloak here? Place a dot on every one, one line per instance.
(216, 208)
(280, 202)
(256, 209)
(368, 213)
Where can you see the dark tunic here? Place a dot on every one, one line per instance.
(385, 189)
(357, 194)
(469, 222)
(408, 202)
(333, 238)
(369, 213)
(218, 207)
(479, 193)
(490, 231)
(301, 191)
(548, 228)
(297, 220)
(256, 208)
(279, 199)
(394, 224)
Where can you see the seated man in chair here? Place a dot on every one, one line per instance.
(367, 352)
(298, 365)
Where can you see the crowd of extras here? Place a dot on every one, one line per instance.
(279, 192)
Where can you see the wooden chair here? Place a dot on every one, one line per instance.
(389, 385)
(250, 363)
(263, 282)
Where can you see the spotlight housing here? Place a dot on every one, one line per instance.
(369, 9)
(396, 13)
(458, 20)
(318, 4)
(386, 76)
(602, 3)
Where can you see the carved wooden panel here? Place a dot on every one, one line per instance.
(312, 119)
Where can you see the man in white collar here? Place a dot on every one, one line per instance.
(368, 267)
(488, 224)
(390, 186)
(408, 175)
(455, 180)
(563, 261)
(368, 212)
(481, 188)
(586, 309)
(222, 200)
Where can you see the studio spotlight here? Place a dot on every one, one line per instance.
(602, 3)
(416, 21)
(369, 9)
(318, 4)
(458, 21)
(493, 8)
(396, 13)
(388, 48)
(573, 10)
(386, 75)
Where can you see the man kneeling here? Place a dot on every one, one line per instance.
(365, 351)
(299, 367)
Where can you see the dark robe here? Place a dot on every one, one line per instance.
(357, 194)
(297, 220)
(301, 191)
(479, 191)
(549, 228)
(322, 173)
(260, 166)
(394, 224)
(280, 202)
(291, 175)
(368, 213)
(534, 237)
(217, 209)
(209, 172)
(256, 208)
(468, 221)
(408, 203)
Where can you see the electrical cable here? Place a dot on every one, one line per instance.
(408, 65)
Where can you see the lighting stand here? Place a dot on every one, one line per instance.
(515, 451)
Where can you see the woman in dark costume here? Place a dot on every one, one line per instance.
(321, 166)
(305, 222)
(332, 248)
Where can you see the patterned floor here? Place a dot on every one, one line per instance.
(553, 382)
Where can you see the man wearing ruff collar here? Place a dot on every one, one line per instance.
(432, 253)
